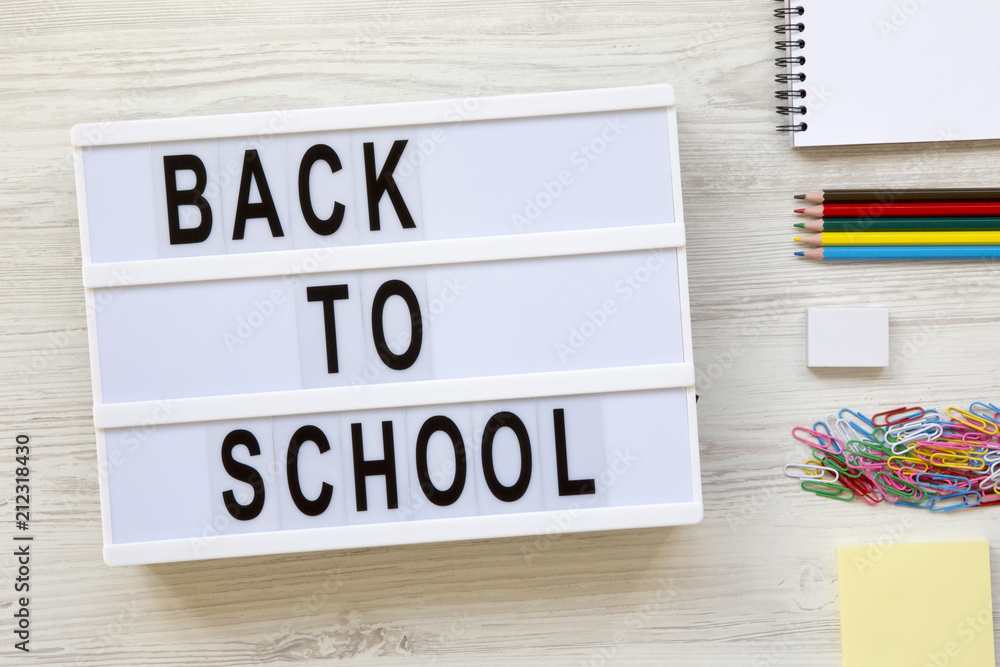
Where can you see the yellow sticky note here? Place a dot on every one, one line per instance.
(916, 605)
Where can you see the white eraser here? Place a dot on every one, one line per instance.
(851, 337)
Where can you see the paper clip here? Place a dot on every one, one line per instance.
(865, 489)
(901, 461)
(830, 423)
(922, 505)
(862, 431)
(988, 483)
(902, 429)
(860, 416)
(953, 486)
(805, 468)
(956, 461)
(864, 458)
(932, 416)
(865, 447)
(822, 425)
(933, 504)
(905, 431)
(820, 437)
(838, 464)
(973, 421)
(895, 485)
(909, 474)
(973, 439)
(828, 490)
(991, 479)
(899, 448)
(846, 430)
(898, 411)
(986, 406)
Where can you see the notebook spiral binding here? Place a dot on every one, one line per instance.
(790, 44)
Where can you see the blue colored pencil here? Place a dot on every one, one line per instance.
(890, 253)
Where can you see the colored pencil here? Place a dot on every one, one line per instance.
(888, 224)
(857, 196)
(876, 210)
(902, 238)
(891, 253)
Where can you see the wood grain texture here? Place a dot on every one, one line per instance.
(754, 584)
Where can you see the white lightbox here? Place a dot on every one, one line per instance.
(388, 324)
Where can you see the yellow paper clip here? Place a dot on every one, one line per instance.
(973, 421)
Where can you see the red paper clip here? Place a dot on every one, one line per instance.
(863, 488)
(897, 411)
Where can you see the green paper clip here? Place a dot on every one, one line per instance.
(908, 495)
(828, 490)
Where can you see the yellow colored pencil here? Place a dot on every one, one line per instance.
(902, 238)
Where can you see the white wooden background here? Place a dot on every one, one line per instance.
(754, 584)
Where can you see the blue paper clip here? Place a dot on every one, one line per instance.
(954, 486)
(931, 417)
(825, 427)
(868, 434)
(985, 406)
(856, 414)
(922, 505)
(965, 495)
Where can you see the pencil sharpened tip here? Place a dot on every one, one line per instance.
(800, 196)
(800, 210)
(800, 225)
(801, 253)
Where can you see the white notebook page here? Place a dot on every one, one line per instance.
(889, 71)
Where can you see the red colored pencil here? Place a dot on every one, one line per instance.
(915, 210)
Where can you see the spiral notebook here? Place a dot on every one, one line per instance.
(888, 71)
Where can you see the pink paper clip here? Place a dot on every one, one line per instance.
(820, 437)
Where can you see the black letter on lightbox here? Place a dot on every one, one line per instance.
(507, 494)
(567, 486)
(384, 183)
(452, 493)
(308, 433)
(396, 362)
(253, 171)
(317, 153)
(385, 466)
(328, 294)
(243, 473)
(193, 197)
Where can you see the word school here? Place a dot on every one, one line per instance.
(386, 466)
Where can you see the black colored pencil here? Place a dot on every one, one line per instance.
(894, 195)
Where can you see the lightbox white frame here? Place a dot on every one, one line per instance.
(432, 392)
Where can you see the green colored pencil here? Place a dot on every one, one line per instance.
(899, 224)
